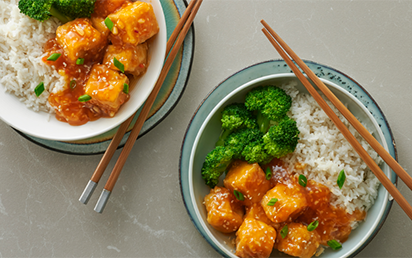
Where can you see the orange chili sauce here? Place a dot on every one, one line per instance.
(334, 222)
(68, 108)
(65, 103)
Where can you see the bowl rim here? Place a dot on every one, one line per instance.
(222, 102)
(92, 128)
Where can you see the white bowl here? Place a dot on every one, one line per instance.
(45, 126)
(205, 140)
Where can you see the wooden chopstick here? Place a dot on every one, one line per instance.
(189, 14)
(289, 56)
(117, 138)
(406, 178)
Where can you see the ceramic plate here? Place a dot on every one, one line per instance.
(41, 125)
(170, 93)
(257, 71)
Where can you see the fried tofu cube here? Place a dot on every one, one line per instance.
(100, 26)
(291, 200)
(79, 39)
(134, 58)
(248, 179)
(134, 23)
(299, 241)
(255, 211)
(223, 213)
(105, 86)
(102, 8)
(255, 239)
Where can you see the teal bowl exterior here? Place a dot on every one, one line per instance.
(169, 95)
(361, 236)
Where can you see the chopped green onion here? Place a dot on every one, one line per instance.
(334, 244)
(126, 88)
(109, 23)
(238, 195)
(84, 98)
(272, 201)
(312, 226)
(39, 89)
(118, 64)
(303, 181)
(268, 173)
(284, 231)
(54, 57)
(341, 179)
(80, 61)
(73, 84)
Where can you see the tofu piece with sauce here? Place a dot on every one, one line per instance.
(248, 179)
(255, 239)
(291, 200)
(102, 8)
(105, 86)
(299, 241)
(100, 26)
(223, 213)
(79, 39)
(255, 211)
(134, 58)
(134, 23)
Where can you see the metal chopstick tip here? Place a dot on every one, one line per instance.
(101, 203)
(88, 191)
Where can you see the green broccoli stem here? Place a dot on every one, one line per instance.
(223, 135)
(263, 122)
(63, 18)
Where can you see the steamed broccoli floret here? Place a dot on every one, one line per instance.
(235, 116)
(255, 152)
(76, 8)
(64, 10)
(216, 163)
(42, 10)
(282, 139)
(271, 104)
(237, 140)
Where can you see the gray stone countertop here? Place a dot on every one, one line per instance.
(40, 215)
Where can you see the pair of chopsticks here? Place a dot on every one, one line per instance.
(173, 45)
(290, 57)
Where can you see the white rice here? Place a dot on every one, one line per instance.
(21, 48)
(325, 152)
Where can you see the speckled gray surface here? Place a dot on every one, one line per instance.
(40, 215)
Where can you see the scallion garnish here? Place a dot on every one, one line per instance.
(238, 195)
(303, 181)
(312, 226)
(84, 98)
(118, 64)
(334, 244)
(39, 89)
(284, 231)
(54, 57)
(268, 173)
(80, 61)
(72, 84)
(126, 88)
(341, 179)
(272, 201)
(109, 23)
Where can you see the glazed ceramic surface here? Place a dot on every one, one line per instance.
(204, 130)
(45, 126)
(169, 95)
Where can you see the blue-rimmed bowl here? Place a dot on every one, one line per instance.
(204, 130)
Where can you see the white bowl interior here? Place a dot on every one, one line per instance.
(209, 133)
(45, 126)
